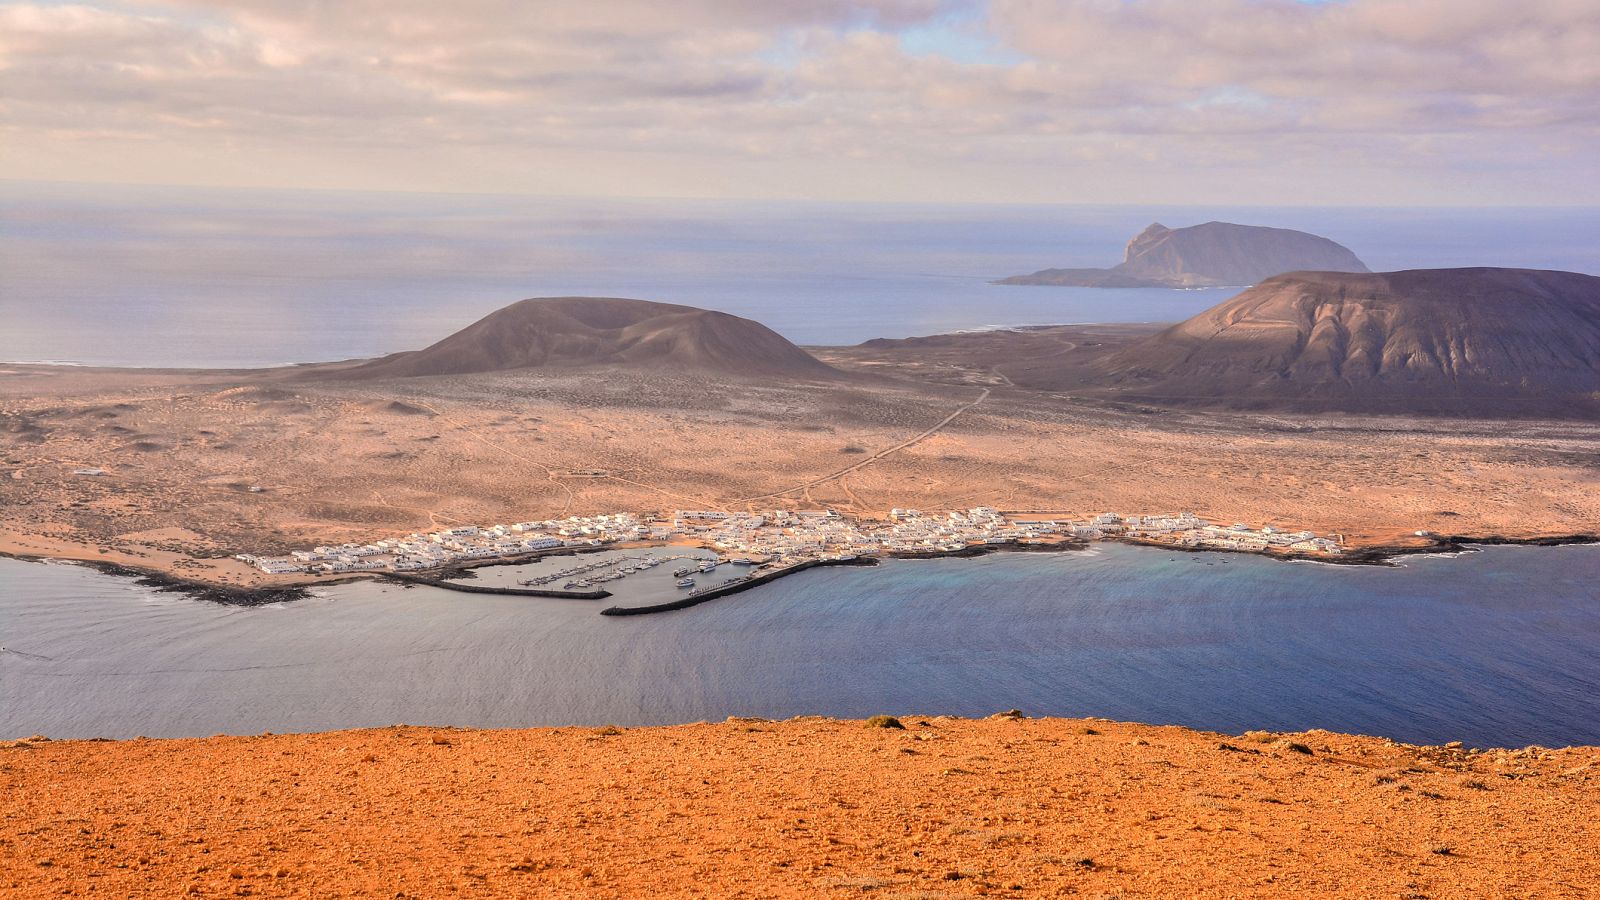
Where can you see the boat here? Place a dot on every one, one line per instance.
(708, 566)
(743, 562)
(686, 582)
(570, 585)
(682, 571)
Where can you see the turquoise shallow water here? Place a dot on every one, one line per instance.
(1495, 648)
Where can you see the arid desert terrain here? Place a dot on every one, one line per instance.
(1003, 807)
(181, 451)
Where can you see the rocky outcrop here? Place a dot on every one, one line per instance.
(1209, 255)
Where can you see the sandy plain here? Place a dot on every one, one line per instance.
(1002, 807)
(337, 461)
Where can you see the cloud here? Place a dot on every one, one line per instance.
(821, 97)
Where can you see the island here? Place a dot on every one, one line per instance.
(1214, 254)
(567, 414)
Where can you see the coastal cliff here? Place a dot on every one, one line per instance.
(1210, 255)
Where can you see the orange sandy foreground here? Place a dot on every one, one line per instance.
(1004, 807)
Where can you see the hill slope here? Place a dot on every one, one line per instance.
(1476, 341)
(1209, 255)
(803, 808)
(604, 331)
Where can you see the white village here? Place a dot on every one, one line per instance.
(783, 538)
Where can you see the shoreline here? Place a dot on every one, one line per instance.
(198, 589)
(1384, 555)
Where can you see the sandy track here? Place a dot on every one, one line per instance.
(887, 451)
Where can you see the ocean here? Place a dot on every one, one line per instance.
(1494, 648)
(1491, 648)
(187, 277)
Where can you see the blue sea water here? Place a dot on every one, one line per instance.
(1495, 648)
(151, 276)
(1492, 648)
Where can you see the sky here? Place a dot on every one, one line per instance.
(1269, 102)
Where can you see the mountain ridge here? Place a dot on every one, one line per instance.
(1474, 339)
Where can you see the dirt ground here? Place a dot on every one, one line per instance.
(809, 807)
(182, 453)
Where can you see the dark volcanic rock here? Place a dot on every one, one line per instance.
(1209, 255)
(1460, 341)
(573, 332)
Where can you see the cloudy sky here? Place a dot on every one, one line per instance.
(1101, 101)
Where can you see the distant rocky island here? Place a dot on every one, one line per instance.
(1215, 254)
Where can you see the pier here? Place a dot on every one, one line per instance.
(733, 587)
(600, 594)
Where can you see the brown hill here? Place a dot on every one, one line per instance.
(1208, 255)
(1462, 341)
(603, 331)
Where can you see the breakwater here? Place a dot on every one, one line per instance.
(511, 591)
(733, 587)
(1495, 648)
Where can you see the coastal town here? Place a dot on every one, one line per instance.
(784, 538)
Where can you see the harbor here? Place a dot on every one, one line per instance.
(688, 557)
(631, 576)
(1216, 641)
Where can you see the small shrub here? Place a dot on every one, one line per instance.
(608, 731)
(1475, 785)
(884, 722)
(1293, 747)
